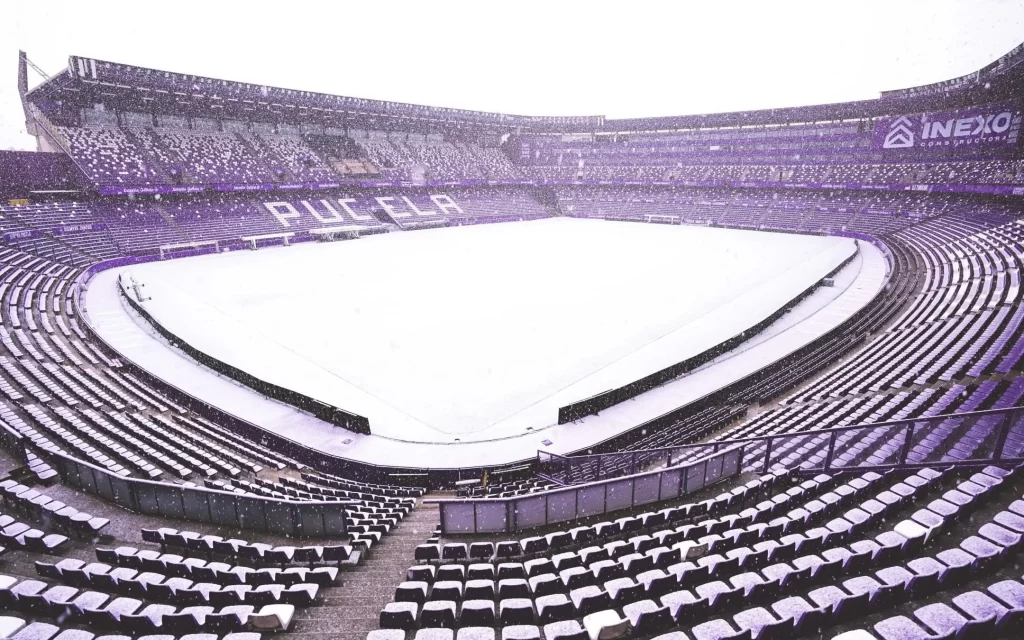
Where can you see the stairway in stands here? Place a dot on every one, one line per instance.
(171, 222)
(145, 140)
(352, 609)
(348, 609)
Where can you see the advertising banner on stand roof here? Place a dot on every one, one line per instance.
(993, 128)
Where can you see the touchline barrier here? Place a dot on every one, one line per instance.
(256, 435)
(601, 401)
(334, 415)
(521, 513)
(196, 504)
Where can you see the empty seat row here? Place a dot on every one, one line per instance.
(256, 553)
(42, 507)
(166, 588)
(203, 570)
(99, 610)
(16, 628)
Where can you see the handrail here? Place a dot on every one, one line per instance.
(832, 453)
(943, 416)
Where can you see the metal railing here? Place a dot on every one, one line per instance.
(565, 504)
(973, 438)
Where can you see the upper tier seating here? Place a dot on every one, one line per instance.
(109, 157)
(112, 156)
(212, 157)
(799, 154)
(822, 154)
(299, 159)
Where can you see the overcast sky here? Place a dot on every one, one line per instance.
(548, 57)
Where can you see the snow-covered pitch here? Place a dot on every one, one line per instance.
(481, 331)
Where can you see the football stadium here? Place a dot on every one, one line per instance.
(284, 362)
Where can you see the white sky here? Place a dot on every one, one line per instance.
(531, 57)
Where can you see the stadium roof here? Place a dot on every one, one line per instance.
(88, 80)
